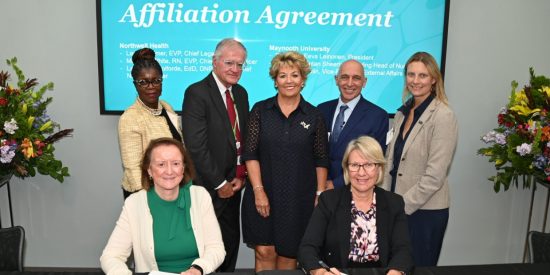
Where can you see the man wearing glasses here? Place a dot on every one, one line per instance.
(214, 118)
(351, 116)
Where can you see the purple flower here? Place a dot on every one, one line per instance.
(500, 139)
(540, 162)
(6, 153)
(39, 121)
(489, 137)
(36, 104)
(523, 149)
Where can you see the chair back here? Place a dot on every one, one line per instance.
(11, 248)
(539, 247)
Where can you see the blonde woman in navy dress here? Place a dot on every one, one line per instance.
(286, 158)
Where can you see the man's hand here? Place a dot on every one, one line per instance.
(237, 184)
(226, 191)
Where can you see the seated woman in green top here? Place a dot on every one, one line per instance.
(170, 225)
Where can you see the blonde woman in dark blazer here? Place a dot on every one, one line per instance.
(423, 142)
(359, 225)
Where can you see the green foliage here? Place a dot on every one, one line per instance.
(519, 146)
(27, 133)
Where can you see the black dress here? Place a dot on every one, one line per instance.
(288, 150)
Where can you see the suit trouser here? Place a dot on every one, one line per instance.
(227, 212)
(426, 230)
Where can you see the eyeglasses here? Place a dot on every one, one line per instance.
(368, 167)
(145, 83)
(234, 64)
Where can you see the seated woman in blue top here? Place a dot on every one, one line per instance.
(170, 225)
(359, 225)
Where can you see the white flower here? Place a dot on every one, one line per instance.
(523, 149)
(10, 126)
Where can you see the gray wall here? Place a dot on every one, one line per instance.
(490, 43)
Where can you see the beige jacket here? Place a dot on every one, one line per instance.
(136, 128)
(427, 156)
(134, 230)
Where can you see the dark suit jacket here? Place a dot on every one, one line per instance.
(328, 233)
(366, 119)
(207, 132)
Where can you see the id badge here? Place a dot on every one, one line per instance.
(389, 136)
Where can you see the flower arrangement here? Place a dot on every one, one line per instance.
(27, 133)
(520, 145)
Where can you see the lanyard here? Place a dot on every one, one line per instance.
(234, 126)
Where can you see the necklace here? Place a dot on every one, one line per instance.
(155, 112)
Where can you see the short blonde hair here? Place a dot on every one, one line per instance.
(370, 149)
(433, 69)
(291, 59)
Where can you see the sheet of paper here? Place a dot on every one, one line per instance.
(154, 272)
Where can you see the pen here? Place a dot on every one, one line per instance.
(325, 266)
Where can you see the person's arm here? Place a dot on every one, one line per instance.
(382, 130)
(320, 151)
(118, 248)
(130, 136)
(325, 271)
(440, 154)
(195, 134)
(310, 249)
(251, 156)
(214, 250)
(321, 173)
(400, 246)
(397, 120)
(260, 197)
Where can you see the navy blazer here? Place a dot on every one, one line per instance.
(328, 233)
(366, 119)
